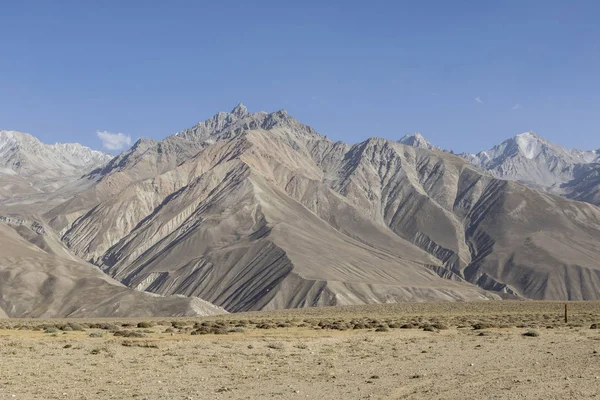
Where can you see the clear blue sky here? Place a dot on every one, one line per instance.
(350, 69)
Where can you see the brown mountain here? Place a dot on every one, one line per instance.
(254, 211)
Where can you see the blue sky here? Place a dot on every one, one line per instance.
(467, 74)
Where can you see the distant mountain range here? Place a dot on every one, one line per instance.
(538, 163)
(251, 211)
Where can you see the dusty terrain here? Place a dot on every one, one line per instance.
(404, 351)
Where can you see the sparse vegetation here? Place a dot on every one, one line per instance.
(531, 334)
(275, 345)
(346, 346)
(130, 334)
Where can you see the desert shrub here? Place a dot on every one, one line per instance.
(284, 325)
(595, 326)
(51, 330)
(147, 345)
(408, 326)
(78, 327)
(531, 334)
(105, 326)
(275, 345)
(219, 330)
(178, 324)
(169, 330)
(215, 330)
(373, 323)
(324, 322)
(96, 334)
(382, 328)
(130, 334)
(264, 326)
(439, 325)
(145, 324)
(481, 325)
(236, 330)
(340, 326)
(429, 328)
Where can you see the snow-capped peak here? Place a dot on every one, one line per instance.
(530, 145)
(531, 159)
(26, 155)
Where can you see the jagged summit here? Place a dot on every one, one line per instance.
(240, 111)
(258, 211)
(417, 140)
(224, 125)
(25, 155)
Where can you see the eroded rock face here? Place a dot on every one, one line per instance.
(39, 278)
(255, 211)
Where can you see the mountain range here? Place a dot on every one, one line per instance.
(252, 211)
(533, 161)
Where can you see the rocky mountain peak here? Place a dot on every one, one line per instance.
(530, 145)
(240, 111)
(25, 155)
(417, 140)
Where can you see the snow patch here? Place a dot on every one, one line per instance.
(529, 145)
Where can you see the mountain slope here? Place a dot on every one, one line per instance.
(270, 214)
(39, 278)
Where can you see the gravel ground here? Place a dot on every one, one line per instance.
(468, 351)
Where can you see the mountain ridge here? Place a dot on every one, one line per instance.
(253, 211)
(428, 204)
(536, 162)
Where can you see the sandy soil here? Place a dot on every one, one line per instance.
(301, 360)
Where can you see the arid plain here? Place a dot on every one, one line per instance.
(498, 350)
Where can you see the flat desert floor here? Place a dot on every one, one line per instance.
(400, 351)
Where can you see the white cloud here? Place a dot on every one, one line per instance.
(517, 106)
(114, 141)
(478, 99)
